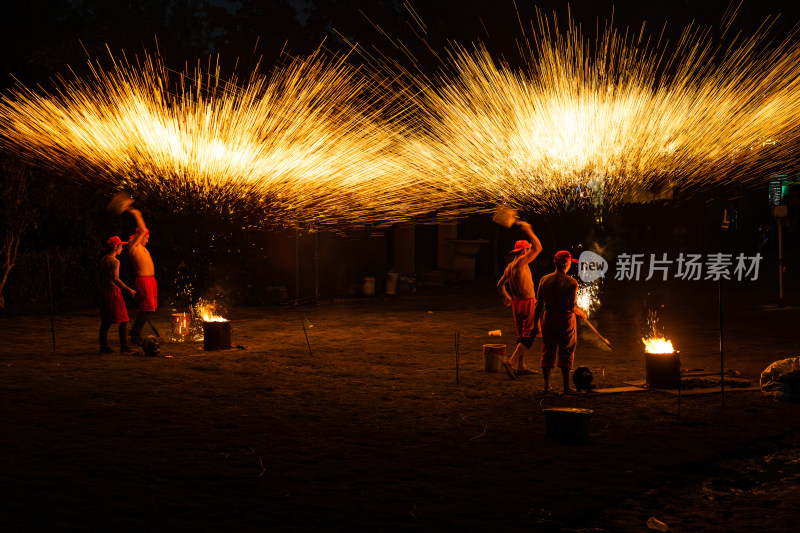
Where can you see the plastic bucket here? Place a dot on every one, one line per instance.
(568, 423)
(493, 355)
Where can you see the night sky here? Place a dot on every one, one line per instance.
(43, 37)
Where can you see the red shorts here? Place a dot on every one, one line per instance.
(559, 338)
(112, 306)
(523, 316)
(146, 293)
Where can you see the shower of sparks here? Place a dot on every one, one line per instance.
(606, 123)
(206, 310)
(588, 297)
(318, 142)
(323, 143)
(655, 341)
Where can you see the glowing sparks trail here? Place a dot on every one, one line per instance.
(207, 311)
(605, 124)
(310, 144)
(322, 142)
(655, 342)
(588, 297)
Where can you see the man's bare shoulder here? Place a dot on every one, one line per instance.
(109, 261)
(547, 278)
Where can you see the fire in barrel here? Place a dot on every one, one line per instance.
(216, 329)
(662, 363)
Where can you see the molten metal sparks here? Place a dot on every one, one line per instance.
(655, 342)
(320, 142)
(317, 142)
(602, 123)
(207, 311)
(588, 297)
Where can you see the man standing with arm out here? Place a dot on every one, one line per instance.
(112, 306)
(521, 297)
(557, 294)
(146, 287)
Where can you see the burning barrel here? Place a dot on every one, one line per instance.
(662, 364)
(217, 335)
(216, 329)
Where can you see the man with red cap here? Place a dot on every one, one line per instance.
(557, 310)
(112, 306)
(146, 287)
(521, 297)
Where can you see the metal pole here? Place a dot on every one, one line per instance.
(721, 352)
(297, 263)
(305, 333)
(780, 262)
(316, 265)
(457, 339)
(50, 294)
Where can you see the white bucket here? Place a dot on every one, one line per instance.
(493, 355)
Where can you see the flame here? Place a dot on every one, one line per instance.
(207, 311)
(658, 345)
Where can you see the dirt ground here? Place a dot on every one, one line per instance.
(368, 430)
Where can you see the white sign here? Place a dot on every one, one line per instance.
(591, 266)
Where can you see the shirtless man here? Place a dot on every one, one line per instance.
(557, 310)
(521, 297)
(112, 306)
(146, 287)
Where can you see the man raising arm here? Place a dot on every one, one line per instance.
(516, 286)
(146, 287)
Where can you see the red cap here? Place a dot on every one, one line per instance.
(114, 241)
(563, 257)
(138, 231)
(520, 245)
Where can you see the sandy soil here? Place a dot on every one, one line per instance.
(370, 432)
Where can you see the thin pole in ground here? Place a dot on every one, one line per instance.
(721, 351)
(50, 295)
(457, 339)
(303, 323)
